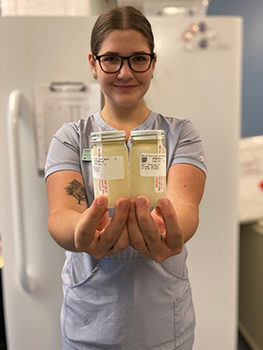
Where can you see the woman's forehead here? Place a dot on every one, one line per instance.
(124, 40)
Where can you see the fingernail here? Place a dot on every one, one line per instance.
(141, 202)
(164, 202)
(101, 201)
(124, 203)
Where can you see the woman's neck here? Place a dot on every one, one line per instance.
(125, 118)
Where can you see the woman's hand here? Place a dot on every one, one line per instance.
(157, 235)
(98, 234)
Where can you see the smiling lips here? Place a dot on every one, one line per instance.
(125, 87)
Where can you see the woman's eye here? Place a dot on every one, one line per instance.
(140, 59)
(110, 59)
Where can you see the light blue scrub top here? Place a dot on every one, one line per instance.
(124, 301)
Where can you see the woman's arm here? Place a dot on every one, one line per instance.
(185, 188)
(76, 227)
(176, 218)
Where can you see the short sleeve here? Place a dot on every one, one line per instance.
(64, 150)
(189, 148)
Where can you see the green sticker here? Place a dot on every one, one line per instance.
(86, 155)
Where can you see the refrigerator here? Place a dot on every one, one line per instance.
(198, 76)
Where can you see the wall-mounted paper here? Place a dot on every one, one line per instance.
(59, 103)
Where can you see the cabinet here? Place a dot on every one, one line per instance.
(251, 284)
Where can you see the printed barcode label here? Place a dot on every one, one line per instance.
(153, 164)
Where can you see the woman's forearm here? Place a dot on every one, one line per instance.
(189, 219)
(62, 225)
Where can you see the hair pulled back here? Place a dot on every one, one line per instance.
(120, 18)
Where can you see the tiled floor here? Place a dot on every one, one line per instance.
(242, 344)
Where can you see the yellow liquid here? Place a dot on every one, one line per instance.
(116, 154)
(144, 185)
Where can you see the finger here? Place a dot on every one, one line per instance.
(103, 223)
(95, 215)
(116, 225)
(174, 233)
(122, 242)
(135, 234)
(157, 247)
(158, 219)
(146, 222)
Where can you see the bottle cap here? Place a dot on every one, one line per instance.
(141, 135)
(101, 136)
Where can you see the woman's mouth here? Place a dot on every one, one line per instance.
(125, 88)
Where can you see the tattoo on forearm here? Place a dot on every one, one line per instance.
(77, 190)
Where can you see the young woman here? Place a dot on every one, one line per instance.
(125, 278)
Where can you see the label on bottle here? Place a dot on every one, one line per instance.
(108, 168)
(153, 164)
(159, 180)
(159, 184)
(103, 186)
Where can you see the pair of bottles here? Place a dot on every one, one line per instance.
(119, 172)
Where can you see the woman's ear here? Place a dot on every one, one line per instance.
(92, 63)
(154, 61)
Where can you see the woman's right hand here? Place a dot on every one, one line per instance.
(99, 235)
(77, 227)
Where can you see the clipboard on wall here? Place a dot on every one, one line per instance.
(58, 103)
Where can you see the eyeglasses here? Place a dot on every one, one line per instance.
(139, 63)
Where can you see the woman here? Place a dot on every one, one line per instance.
(125, 279)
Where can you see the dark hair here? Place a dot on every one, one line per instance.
(120, 18)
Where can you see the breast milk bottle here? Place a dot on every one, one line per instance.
(109, 157)
(148, 165)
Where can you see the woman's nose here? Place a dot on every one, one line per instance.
(125, 71)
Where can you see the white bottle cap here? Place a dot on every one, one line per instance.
(140, 135)
(101, 136)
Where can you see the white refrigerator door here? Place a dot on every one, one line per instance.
(33, 51)
(201, 85)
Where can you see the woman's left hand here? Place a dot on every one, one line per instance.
(157, 234)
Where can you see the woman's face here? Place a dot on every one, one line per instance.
(125, 88)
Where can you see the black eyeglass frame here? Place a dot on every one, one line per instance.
(98, 57)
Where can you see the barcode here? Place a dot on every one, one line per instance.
(143, 159)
